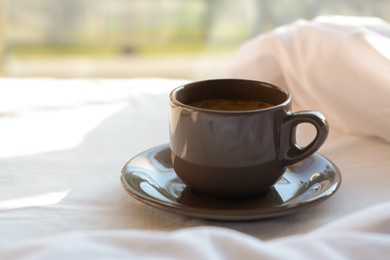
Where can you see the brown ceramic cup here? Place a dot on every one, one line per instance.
(235, 154)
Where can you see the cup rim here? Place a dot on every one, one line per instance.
(173, 99)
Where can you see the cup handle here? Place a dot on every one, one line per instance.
(291, 151)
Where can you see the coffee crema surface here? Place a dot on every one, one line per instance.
(230, 104)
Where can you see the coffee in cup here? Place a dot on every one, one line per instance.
(230, 104)
(234, 138)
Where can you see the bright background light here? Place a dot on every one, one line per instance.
(188, 39)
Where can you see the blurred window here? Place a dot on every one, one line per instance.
(143, 38)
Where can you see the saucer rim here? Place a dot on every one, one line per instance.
(229, 214)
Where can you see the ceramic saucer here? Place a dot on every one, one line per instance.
(149, 177)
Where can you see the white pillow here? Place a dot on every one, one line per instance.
(337, 65)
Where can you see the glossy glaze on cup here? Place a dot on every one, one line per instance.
(231, 154)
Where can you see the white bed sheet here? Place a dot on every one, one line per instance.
(64, 142)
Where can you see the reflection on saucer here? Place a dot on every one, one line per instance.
(192, 199)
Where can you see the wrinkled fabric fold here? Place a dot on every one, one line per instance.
(362, 235)
(339, 66)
